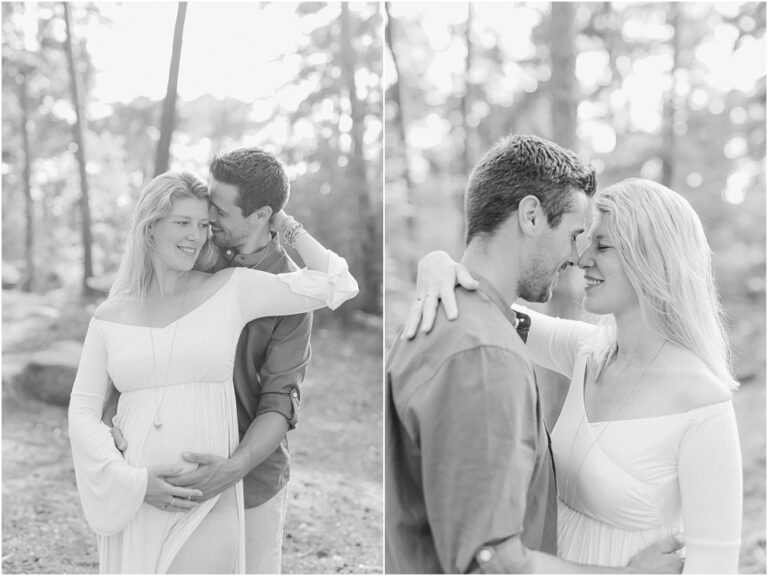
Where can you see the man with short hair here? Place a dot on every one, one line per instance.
(247, 186)
(470, 480)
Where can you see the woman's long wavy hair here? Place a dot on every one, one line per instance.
(667, 259)
(136, 271)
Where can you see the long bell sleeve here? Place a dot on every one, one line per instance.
(111, 490)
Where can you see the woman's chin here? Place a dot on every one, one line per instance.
(589, 305)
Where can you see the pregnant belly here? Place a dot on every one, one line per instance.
(192, 417)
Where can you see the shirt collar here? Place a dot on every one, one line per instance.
(260, 258)
(520, 321)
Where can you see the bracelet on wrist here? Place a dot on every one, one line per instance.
(291, 230)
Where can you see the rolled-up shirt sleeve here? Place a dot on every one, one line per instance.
(285, 365)
(111, 490)
(475, 423)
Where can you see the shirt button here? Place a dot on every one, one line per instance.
(485, 555)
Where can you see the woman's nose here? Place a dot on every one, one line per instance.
(585, 259)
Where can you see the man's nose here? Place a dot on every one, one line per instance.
(573, 258)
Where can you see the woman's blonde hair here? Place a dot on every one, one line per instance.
(136, 271)
(667, 259)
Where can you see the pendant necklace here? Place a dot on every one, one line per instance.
(156, 421)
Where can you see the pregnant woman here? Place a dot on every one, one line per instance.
(167, 337)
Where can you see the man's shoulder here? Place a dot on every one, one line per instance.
(281, 264)
(480, 326)
(480, 323)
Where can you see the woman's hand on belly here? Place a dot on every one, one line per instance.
(164, 495)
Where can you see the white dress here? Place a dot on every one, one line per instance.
(625, 484)
(185, 385)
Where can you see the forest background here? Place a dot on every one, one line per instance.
(672, 92)
(97, 99)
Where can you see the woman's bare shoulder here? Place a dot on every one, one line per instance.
(116, 308)
(218, 278)
(204, 284)
(692, 384)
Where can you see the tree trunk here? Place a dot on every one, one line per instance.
(668, 132)
(399, 121)
(466, 99)
(466, 106)
(563, 50)
(563, 112)
(371, 281)
(168, 121)
(79, 129)
(29, 236)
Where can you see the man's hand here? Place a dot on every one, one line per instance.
(164, 495)
(436, 281)
(659, 558)
(213, 475)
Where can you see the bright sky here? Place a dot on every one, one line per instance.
(229, 49)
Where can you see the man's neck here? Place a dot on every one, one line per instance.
(499, 267)
(254, 243)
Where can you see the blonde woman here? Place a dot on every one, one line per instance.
(646, 444)
(166, 337)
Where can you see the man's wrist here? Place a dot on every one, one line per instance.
(236, 467)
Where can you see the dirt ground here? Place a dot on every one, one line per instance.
(335, 512)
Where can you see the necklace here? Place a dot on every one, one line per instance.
(598, 381)
(156, 421)
(266, 251)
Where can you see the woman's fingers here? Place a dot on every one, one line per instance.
(436, 282)
(183, 493)
(413, 320)
(428, 311)
(163, 471)
(182, 505)
(464, 278)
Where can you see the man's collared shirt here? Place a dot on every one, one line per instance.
(468, 462)
(270, 364)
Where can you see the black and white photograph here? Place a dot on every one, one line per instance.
(383, 287)
(192, 287)
(575, 287)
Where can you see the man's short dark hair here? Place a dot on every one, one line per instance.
(519, 166)
(259, 176)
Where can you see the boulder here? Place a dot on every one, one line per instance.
(50, 373)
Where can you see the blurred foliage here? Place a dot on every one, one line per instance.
(632, 62)
(311, 134)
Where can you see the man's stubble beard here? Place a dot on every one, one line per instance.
(537, 281)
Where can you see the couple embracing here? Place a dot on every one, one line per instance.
(205, 339)
(642, 472)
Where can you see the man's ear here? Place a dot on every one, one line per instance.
(264, 213)
(530, 216)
